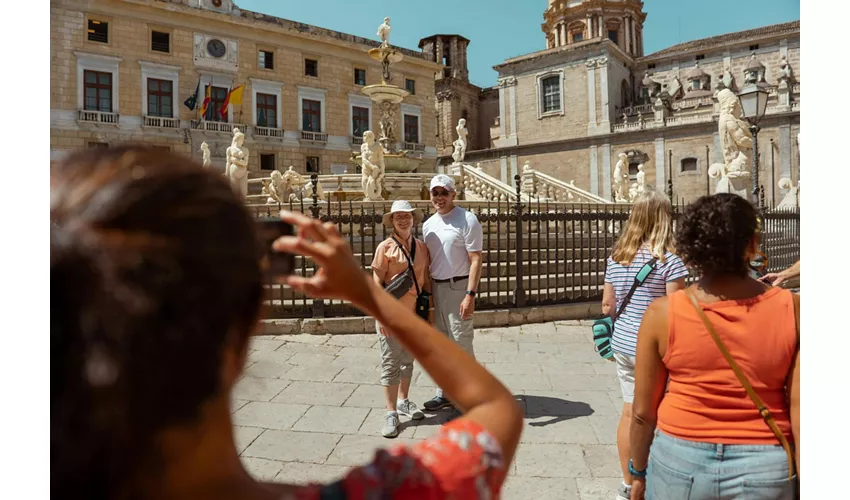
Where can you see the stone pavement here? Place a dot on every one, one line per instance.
(310, 406)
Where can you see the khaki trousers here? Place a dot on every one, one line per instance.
(447, 299)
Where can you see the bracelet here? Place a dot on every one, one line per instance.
(636, 473)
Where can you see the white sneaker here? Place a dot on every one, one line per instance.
(409, 409)
(624, 492)
(390, 429)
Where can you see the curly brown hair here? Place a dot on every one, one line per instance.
(714, 234)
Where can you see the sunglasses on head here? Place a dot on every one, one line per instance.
(439, 192)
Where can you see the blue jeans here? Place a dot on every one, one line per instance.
(691, 470)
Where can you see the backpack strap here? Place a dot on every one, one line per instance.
(640, 278)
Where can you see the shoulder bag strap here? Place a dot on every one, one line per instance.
(762, 408)
(410, 260)
(640, 278)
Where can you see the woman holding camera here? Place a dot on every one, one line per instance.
(391, 268)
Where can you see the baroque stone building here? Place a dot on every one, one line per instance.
(122, 69)
(572, 108)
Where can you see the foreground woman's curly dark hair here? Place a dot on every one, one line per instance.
(713, 235)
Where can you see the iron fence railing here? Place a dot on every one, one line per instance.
(535, 253)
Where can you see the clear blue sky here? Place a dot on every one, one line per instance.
(499, 29)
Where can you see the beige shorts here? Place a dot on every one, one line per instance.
(626, 375)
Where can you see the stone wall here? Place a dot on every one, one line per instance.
(571, 123)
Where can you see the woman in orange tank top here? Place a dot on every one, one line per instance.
(711, 441)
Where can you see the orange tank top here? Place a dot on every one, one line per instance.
(705, 401)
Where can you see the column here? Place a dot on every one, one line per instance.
(564, 39)
(438, 50)
(503, 118)
(503, 170)
(784, 154)
(514, 169)
(605, 124)
(512, 92)
(627, 42)
(600, 25)
(660, 171)
(606, 171)
(634, 38)
(591, 96)
(454, 57)
(589, 26)
(594, 170)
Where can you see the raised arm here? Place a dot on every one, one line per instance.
(483, 399)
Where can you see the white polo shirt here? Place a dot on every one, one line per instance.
(450, 238)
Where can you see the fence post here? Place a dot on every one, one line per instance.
(519, 291)
(318, 304)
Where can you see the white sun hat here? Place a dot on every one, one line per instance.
(402, 206)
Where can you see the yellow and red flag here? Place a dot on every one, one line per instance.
(233, 97)
(206, 103)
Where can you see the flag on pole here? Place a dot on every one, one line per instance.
(234, 96)
(206, 102)
(192, 100)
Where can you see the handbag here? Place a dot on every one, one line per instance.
(423, 298)
(603, 329)
(763, 410)
(401, 284)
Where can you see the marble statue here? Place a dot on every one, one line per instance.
(728, 79)
(621, 178)
(791, 199)
(625, 118)
(372, 167)
(292, 179)
(274, 188)
(236, 167)
(384, 33)
(633, 192)
(785, 73)
(641, 179)
(640, 117)
(205, 151)
(461, 142)
(735, 138)
(387, 123)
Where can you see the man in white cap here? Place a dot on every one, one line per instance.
(454, 239)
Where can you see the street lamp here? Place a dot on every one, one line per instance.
(753, 104)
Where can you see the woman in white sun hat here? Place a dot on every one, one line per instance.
(389, 268)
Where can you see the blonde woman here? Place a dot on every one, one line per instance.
(390, 261)
(645, 245)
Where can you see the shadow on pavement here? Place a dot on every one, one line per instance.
(559, 409)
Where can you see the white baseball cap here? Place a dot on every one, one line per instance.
(443, 181)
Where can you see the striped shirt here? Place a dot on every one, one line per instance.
(622, 277)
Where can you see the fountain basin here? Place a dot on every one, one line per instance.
(385, 93)
(394, 162)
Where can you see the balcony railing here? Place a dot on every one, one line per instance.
(267, 131)
(313, 136)
(356, 140)
(414, 146)
(161, 122)
(98, 117)
(221, 127)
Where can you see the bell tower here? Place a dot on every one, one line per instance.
(567, 22)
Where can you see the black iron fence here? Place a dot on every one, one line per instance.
(534, 253)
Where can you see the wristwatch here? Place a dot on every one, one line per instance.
(470, 293)
(636, 473)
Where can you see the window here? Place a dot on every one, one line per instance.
(98, 31)
(97, 88)
(266, 110)
(410, 86)
(311, 67)
(160, 98)
(650, 66)
(267, 162)
(411, 129)
(98, 145)
(689, 165)
(551, 86)
(578, 36)
(754, 47)
(612, 35)
(633, 171)
(311, 115)
(217, 96)
(696, 85)
(359, 76)
(160, 42)
(700, 57)
(312, 166)
(266, 59)
(359, 120)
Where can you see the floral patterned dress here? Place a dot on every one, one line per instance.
(462, 462)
